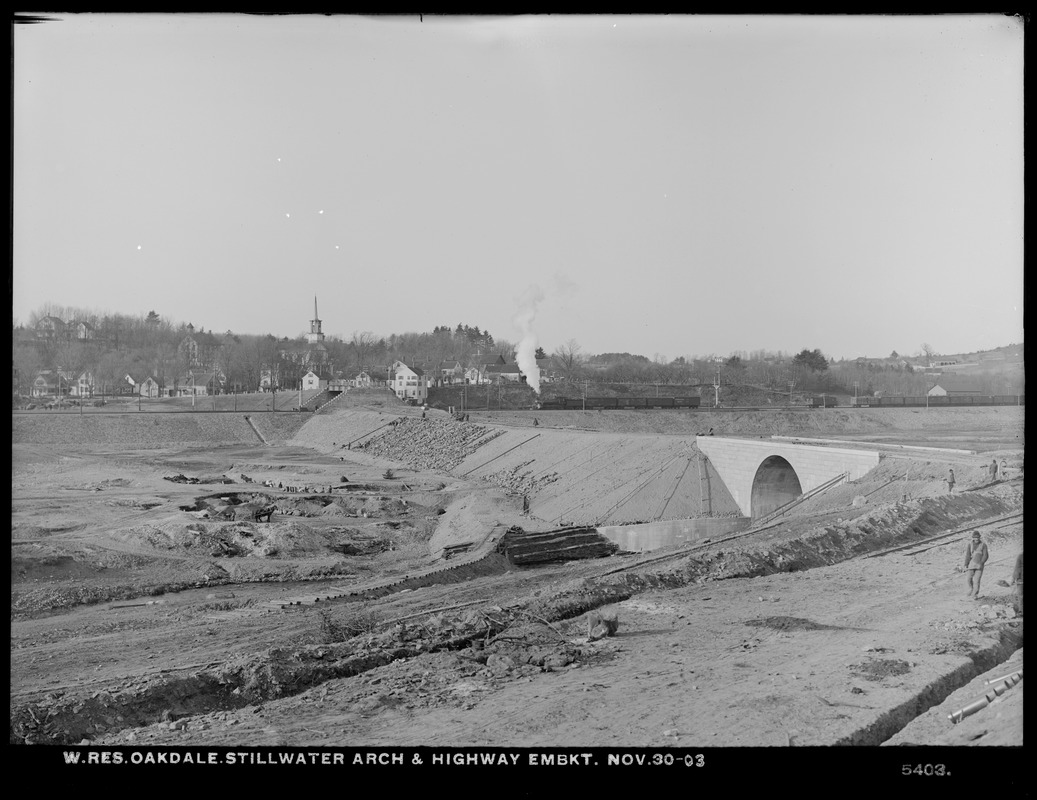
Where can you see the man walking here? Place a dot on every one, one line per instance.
(976, 555)
(1017, 581)
(950, 480)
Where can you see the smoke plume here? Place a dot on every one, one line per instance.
(528, 346)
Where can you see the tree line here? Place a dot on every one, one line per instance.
(149, 344)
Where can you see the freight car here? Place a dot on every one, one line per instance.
(939, 401)
(827, 401)
(602, 403)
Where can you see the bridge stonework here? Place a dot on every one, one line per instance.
(738, 461)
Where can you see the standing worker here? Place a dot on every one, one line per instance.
(976, 555)
(993, 470)
(950, 480)
(1017, 581)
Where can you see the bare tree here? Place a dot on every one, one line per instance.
(569, 359)
(929, 352)
(361, 344)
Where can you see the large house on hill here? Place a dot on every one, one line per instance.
(409, 383)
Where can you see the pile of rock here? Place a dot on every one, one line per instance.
(519, 482)
(430, 444)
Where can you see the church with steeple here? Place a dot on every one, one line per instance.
(315, 336)
(317, 357)
(313, 356)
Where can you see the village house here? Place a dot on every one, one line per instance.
(83, 385)
(311, 380)
(474, 375)
(50, 328)
(955, 386)
(201, 384)
(151, 388)
(199, 350)
(81, 330)
(363, 381)
(409, 383)
(502, 371)
(449, 372)
(45, 384)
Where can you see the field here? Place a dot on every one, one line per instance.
(151, 606)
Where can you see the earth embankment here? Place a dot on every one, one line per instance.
(152, 430)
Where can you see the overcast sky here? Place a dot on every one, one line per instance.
(656, 185)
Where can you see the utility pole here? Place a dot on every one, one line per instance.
(716, 385)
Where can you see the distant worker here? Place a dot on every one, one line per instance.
(525, 504)
(710, 432)
(993, 470)
(976, 555)
(950, 480)
(1017, 581)
(536, 422)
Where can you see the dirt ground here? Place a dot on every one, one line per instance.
(143, 608)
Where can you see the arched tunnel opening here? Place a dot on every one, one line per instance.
(776, 483)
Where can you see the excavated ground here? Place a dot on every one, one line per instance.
(792, 635)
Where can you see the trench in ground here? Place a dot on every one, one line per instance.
(274, 675)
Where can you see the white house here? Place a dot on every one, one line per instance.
(474, 375)
(449, 372)
(83, 386)
(409, 383)
(198, 385)
(150, 387)
(311, 380)
(362, 381)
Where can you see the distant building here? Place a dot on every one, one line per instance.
(314, 355)
(151, 388)
(199, 350)
(954, 386)
(83, 385)
(200, 384)
(311, 380)
(503, 371)
(45, 384)
(409, 383)
(50, 328)
(449, 372)
(81, 330)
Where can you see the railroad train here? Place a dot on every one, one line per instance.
(579, 403)
(938, 401)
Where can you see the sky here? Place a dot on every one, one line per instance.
(658, 185)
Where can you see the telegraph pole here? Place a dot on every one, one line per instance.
(716, 385)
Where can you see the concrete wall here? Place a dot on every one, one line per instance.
(654, 535)
(737, 461)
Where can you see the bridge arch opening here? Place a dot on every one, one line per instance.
(775, 484)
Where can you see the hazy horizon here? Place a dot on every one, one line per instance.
(670, 185)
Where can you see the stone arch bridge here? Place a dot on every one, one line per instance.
(763, 475)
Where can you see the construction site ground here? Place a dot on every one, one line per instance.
(140, 616)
